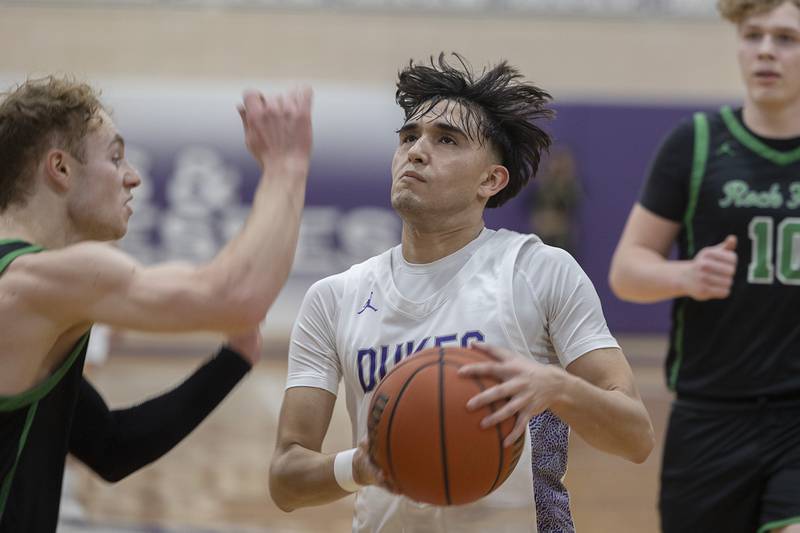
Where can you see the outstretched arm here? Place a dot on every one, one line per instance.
(93, 282)
(117, 443)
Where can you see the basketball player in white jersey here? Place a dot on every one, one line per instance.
(468, 142)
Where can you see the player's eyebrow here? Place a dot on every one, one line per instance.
(751, 26)
(407, 127)
(439, 125)
(445, 126)
(117, 140)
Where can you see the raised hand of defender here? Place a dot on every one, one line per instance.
(710, 274)
(277, 129)
(529, 387)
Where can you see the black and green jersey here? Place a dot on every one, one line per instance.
(716, 177)
(66, 414)
(34, 435)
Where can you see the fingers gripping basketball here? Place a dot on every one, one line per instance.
(426, 442)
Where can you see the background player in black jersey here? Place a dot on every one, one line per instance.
(726, 186)
(64, 185)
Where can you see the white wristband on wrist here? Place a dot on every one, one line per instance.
(343, 470)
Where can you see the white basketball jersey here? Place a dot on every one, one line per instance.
(357, 325)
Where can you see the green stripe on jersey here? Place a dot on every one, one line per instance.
(6, 260)
(12, 403)
(5, 488)
(753, 143)
(770, 526)
(32, 396)
(701, 142)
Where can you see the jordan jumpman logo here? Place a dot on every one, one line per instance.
(368, 305)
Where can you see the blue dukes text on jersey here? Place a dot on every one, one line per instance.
(373, 363)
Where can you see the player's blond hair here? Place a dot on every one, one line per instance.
(38, 115)
(738, 10)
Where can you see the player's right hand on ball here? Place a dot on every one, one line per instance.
(710, 274)
(365, 472)
(277, 129)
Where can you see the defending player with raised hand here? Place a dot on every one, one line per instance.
(724, 187)
(64, 187)
(469, 141)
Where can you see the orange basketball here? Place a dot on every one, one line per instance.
(425, 440)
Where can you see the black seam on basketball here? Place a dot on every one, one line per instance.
(391, 420)
(499, 438)
(497, 429)
(379, 403)
(443, 447)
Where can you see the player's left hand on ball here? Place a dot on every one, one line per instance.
(365, 472)
(529, 387)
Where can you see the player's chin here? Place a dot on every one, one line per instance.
(404, 201)
(119, 230)
(771, 96)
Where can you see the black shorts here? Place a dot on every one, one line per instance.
(731, 467)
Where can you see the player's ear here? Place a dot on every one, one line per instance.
(495, 181)
(58, 169)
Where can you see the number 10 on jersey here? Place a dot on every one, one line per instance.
(786, 252)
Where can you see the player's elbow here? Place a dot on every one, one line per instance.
(280, 500)
(280, 486)
(623, 285)
(644, 443)
(617, 280)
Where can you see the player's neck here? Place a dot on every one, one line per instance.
(779, 121)
(35, 224)
(423, 246)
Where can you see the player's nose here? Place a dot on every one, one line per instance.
(132, 179)
(418, 152)
(766, 48)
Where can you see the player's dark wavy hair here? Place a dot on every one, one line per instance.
(498, 107)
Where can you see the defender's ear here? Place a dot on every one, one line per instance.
(495, 181)
(58, 169)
